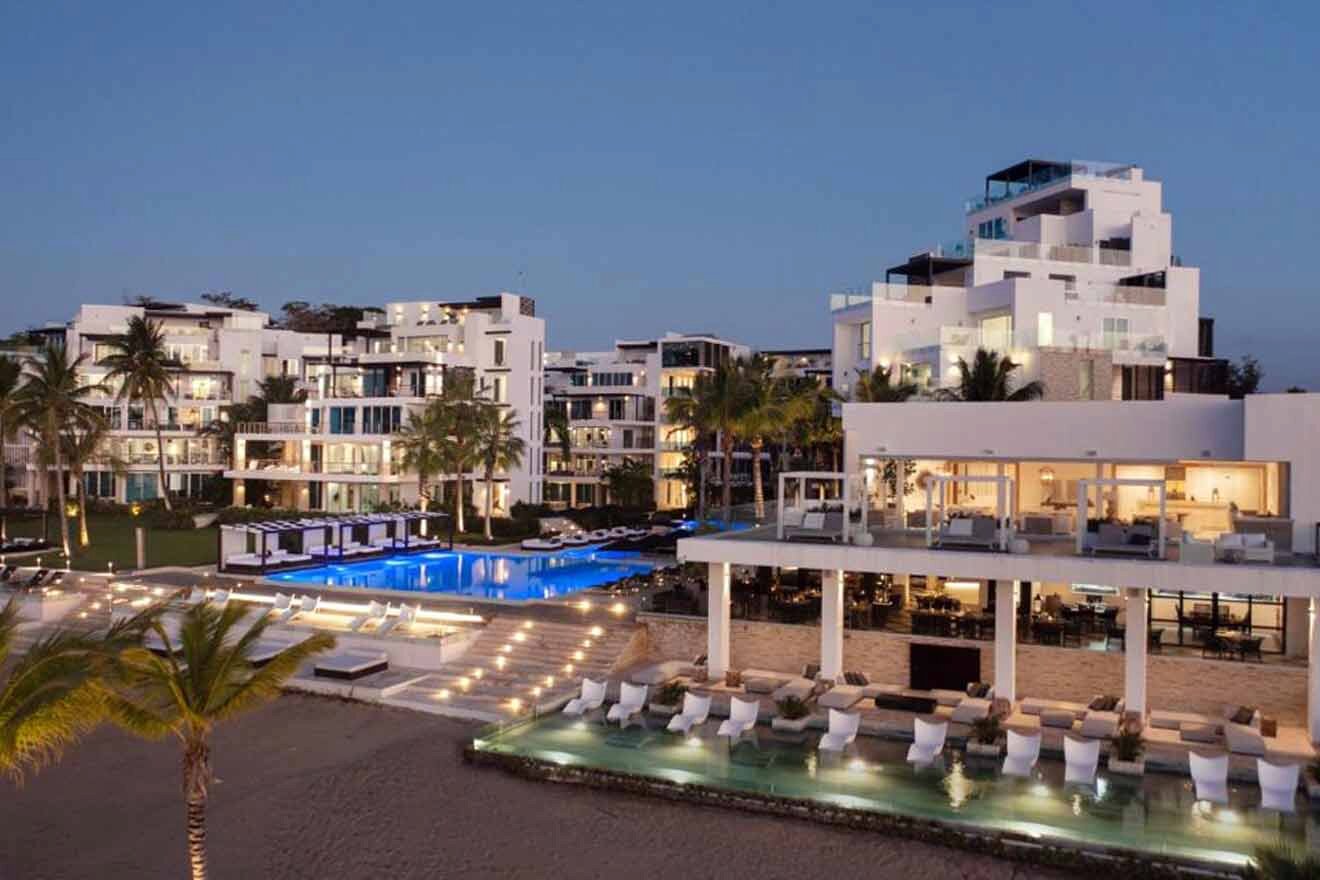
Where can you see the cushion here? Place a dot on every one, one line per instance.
(960, 528)
(1201, 733)
(1231, 541)
(1138, 539)
(1057, 718)
(762, 685)
(797, 687)
(841, 697)
(856, 679)
(1253, 540)
(1243, 715)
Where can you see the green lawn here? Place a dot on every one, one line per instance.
(113, 541)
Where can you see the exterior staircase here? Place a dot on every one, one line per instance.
(521, 664)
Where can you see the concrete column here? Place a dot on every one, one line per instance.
(831, 624)
(1313, 676)
(1005, 641)
(1134, 652)
(1299, 625)
(717, 620)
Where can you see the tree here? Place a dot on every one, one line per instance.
(420, 439)
(878, 386)
(630, 483)
(327, 318)
(204, 678)
(990, 377)
(140, 364)
(280, 389)
(498, 448)
(770, 404)
(821, 429)
(705, 411)
(458, 413)
(724, 395)
(51, 402)
(227, 299)
(556, 431)
(1244, 377)
(82, 446)
(11, 378)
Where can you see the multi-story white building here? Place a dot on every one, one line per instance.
(614, 403)
(1066, 266)
(337, 452)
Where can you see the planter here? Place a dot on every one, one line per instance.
(982, 750)
(663, 709)
(790, 725)
(1128, 768)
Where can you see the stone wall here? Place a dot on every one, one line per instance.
(1059, 373)
(1187, 684)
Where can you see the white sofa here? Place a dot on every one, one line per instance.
(1245, 546)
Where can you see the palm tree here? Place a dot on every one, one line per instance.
(51, 403)
(419, 438)
(630, 483)
(770, 405)
(11, 379)
(498, 448)
(878, 386)
(719, 399)
(990, 377)
(556, 431)
(142, 366)
(203, 679)
(51, 696)
(694, 416)
(81, 448)
(458, 415)
(280, 389)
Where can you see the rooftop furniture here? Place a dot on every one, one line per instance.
(816, 526)
(695, 712)
(375, 614)
(591, 698)
(1192, 551)
(350, 665)
(928, 741)
(1124, 540)
(1240, 547)
(1081, 756)
(977, 532)
(1210, 774)
(632, 699)
(842, 731)
(741, 720)
(1278, 785)
(1023, 752)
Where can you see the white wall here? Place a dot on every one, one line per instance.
(1284, 427)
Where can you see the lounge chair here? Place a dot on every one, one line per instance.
(1278, 786)
(979, 531)
(1081, 757)
(220, 598)
(695, 712)
(196, 596)
(842, 732)
(38, 577)
(542, 544)
(350, 665)
(632, 699)
(375, 614)
(7, 572)
(1023, 752)
(815, 527)
(1134, 541)
(56, 578)
(308, 605)
(741, 720)
(928, 741)
(591, 698)
(282, 609)
(404, 620)
(1211, 777)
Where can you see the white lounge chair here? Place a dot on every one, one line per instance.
(406, 617)
(375, 614)
(1081, 757)
(632, 699)
(282, 609)
(929, 741)
(741, 720)
(842, 732)
(308, 604)
(196, 596)
(1023, 752)
(591, 699)
(1278, 785)
(1211, 777)
(695, 712)
(220, 598)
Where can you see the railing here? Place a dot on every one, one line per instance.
(1118, 294)
(913, 294)
(965, 340)
(273, 428)
(353, 468)
(270, 464)
(1034, 250)
(1076, 168)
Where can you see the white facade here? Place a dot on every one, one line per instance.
(336, 451)
(615, 405)
(1067, 267)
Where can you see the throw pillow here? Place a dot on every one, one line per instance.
(1243, 715)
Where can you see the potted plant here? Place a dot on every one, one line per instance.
(985, 736)
(668, 698)
(1125, 751)
(793, 716)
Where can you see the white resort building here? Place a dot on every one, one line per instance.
(614, 403)
(335, 452)
(1068, 267)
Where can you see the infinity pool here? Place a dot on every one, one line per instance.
(503, 576)
(1157, 813)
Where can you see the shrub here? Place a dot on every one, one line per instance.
(168, 519)
(792, 708)
(1128, 745)
(671, 694)
(986, 730)
(1282, 862)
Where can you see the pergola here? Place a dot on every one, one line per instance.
(1004, 502)
(233, 539)
(798, 481)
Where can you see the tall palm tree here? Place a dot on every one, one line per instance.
(140, 364)
(280, 389)
(204, 678)
(990, 377)
(878, 386)
(52, 402)
(630, 483)
(459, 409)
(11, 380)
(556, 431)
(718, 400)
(84, 446)
(420, 438)
(770, 405)
(498, 448)
(51, 696)
(693, 415)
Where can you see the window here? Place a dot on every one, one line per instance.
(499, 389)
(864, 341)
(1116, 333)
(996, 228)
(139, 487)
(616, 408)
(499, 353)
(579, 409)
(997, 333)
(1045, 328)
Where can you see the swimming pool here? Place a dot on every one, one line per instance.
(504, 576)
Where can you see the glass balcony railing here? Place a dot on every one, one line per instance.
(964, 341)
(1048, 176)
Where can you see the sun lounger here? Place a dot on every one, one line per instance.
(841, 697)
(1081, 757)
(1278, 785)
(542, 544)
(842, 731)
(632, 699)
(695, 712)
(308, 604)
(220, 598)
(1211, 777)
(375, 614)
(970, 710)
(928, 741)
(1023, 753)
(282, 609)
(591, 698)
(741, 720)
(37, 579)
(815, 527)
(56, 578)
(404, 620)
(350, 665)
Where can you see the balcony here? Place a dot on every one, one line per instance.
(274, 428)
(1059, 253)
(1048, 174)
(1127, 347)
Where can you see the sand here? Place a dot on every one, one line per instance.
(310, 787)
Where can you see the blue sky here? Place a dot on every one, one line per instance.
(717, 167)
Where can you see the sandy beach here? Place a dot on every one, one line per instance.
(310, 787)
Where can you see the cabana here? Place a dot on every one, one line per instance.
(279, 544)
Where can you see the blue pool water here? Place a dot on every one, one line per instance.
(480, 575)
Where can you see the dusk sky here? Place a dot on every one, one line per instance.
(634, 168)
